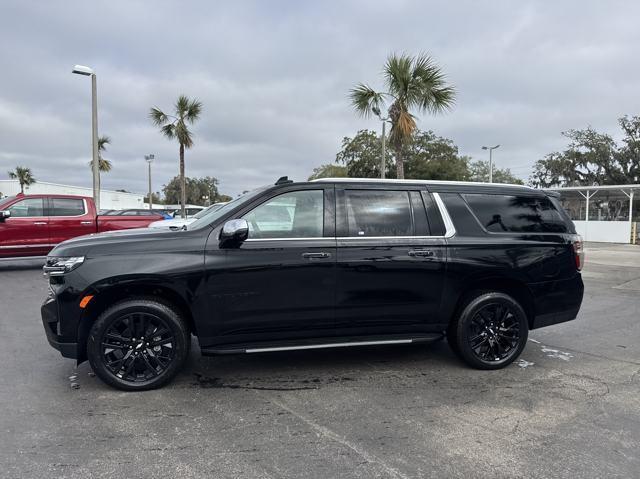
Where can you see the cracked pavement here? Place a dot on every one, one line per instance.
(570, 409)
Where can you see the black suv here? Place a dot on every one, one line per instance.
(322, 264)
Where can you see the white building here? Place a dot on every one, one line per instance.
(109, 200)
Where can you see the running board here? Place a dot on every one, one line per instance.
(256, 348)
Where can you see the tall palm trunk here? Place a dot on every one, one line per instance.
(183, 185)
(399, 163)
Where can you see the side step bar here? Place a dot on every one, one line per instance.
(256, 348)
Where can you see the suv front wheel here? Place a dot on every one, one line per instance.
(138, 344)
(490, 332)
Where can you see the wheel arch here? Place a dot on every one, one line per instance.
(104, 297)
(515, 288)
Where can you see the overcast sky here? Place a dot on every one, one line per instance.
(274, 78)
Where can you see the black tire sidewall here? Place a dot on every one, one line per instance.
(462, 329)
(174, 322)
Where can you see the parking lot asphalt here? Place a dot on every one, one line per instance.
(570, 407)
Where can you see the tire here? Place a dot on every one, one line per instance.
(490, 332)
(138, 344)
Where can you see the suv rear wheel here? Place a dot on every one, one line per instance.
(490, 332)
(138, 344)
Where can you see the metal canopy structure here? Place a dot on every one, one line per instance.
(602, 211)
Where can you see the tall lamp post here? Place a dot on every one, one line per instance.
(86, 71)
(149, 159)
(490, 148)
(383, 162)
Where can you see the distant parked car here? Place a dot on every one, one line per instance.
(31, 225)
(175, 224)
(138, 212)
(190, 210)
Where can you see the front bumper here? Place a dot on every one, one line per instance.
(50, 321)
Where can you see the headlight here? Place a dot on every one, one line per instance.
(55, 266)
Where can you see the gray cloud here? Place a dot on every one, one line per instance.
(274, 78)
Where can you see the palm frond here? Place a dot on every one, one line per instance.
(365, 99)
(402, 128)
(103, 141)
(397, 73)
(182, 106)
(193, 111)
(158, 117)
(169, 130)
(184, 136)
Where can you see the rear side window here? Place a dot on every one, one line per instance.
(27, 208)
(517, 214)
(299, 214)
(378, 213)
(66, 207)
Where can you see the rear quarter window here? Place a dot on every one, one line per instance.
(516, 214)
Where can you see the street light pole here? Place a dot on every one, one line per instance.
(149, 159)
(86, 71)
(383, 162)
(490, 148)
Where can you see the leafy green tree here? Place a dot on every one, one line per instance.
(155, 198)
(328, 171)
(361, 156)
(23, 175)
(431, 157)
(427, 156)
(197, 191)
(412, 83)
(176, 126)
(593, 158)
(479, 171)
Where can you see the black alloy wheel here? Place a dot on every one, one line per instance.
(138, 344)
(494, 332)
(491, 331)
(137, 347)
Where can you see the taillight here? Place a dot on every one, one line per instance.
(578, 251)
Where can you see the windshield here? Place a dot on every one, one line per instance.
(207, 210)
(6, 200)
(211, 214)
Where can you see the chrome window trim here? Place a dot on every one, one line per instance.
(314, 238)
(450, 229)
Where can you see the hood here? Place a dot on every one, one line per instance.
(111, 242)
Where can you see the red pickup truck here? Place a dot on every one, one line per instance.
(31, 225)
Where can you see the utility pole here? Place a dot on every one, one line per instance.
(149, 159)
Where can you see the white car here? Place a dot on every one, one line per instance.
(178, 223)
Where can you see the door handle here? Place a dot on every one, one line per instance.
(424, 253)
(39, 222)
(86, 222)
(316, 255)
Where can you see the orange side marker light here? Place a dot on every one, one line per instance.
(85, 301)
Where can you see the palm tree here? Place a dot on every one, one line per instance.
(23, 175)
(104, 166)
(176, 127)
(412, 83)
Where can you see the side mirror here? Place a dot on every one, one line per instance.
(4, 214)
(234, 232)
